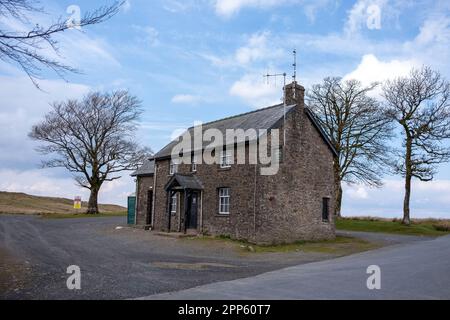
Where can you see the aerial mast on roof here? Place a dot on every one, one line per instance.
(294, 77)
(284, 75)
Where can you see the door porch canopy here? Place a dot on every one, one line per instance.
(181, 183)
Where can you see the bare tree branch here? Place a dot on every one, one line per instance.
(357, 127)
(93, 139)
(26, 48)
(420, 104)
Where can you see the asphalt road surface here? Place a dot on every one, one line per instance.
(129, 263)
(414, 270)
(116, 264)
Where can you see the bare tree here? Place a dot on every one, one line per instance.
(420, 104)
(357, 128)
(92, 138)
(27, 48)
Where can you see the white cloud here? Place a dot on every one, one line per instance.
(187, 99)
(176, 6)
(312, 7)
(432, 44)
(126, 6)
(371, 69)
(147, 34)
(21, 106)
(436, 30)
(256, 49)
(227, 8)
(357, 192)
(255, 92)
(76, 48)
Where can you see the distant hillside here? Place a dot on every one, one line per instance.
(21, 203)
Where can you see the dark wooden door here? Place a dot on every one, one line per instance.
(149, 207)
(192, 218)
(131, 210)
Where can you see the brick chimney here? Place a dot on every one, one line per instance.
(295, 94)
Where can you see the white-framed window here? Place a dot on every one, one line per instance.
(224, 201)
(174, 203)
(173, 168)
(194, 163)
(225, 159)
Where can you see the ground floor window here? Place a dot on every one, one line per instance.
(224, 200)
(173, 203)
(326, 209)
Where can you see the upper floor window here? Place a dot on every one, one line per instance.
(194, 163)
(173, 168)
(225, 159)
(224, 201)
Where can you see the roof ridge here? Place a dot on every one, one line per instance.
(239, 115)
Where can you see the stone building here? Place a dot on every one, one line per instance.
(235, 200)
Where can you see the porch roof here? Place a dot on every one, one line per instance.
(184, 182)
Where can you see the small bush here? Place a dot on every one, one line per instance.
(443, 226)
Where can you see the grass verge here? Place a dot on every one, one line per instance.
(341, 246)
(431, 228)
(81, 215)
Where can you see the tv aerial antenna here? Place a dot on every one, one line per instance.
(268, 76)
(284, 75)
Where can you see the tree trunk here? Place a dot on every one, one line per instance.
(338, 189)
(93, 201)
(339, 194)
(408, 179)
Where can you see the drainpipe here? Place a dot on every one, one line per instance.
(254, 202)
(136, 207)
(185, 207)
(155, 176)
(169, 209)
(201, 211)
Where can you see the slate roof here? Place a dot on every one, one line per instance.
(147, 169)
(267, 118)
(184, 182)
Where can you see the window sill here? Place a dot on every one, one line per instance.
(222, 215)
(225, 169)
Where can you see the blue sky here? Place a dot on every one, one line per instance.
(203, 60)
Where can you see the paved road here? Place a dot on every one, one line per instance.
(413, 270)
(116, 264)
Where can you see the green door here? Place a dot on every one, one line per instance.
(131, 210)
